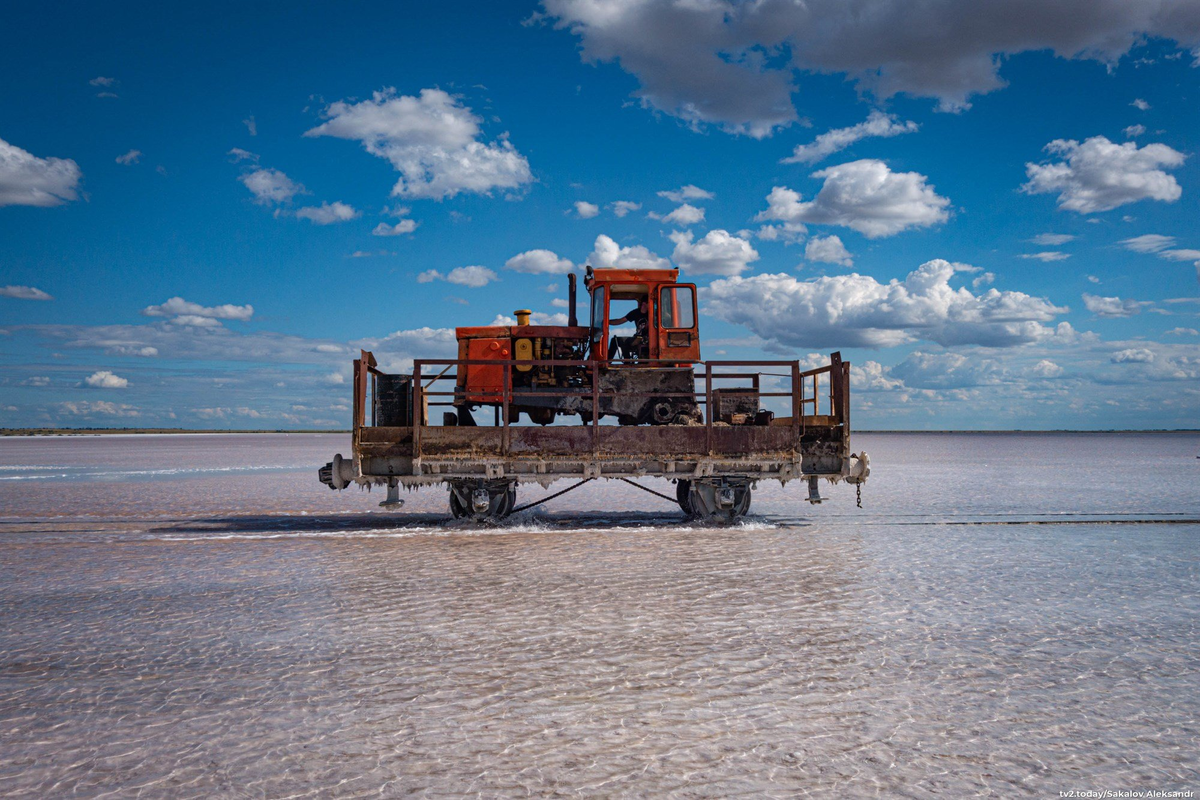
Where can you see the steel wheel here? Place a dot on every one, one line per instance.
(683, 492)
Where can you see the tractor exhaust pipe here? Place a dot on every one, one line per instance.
(572, 315)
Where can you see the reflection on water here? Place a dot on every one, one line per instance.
(254, 633)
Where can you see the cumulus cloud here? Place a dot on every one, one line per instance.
(827, 250)
(238, 155)
(24, 293)
(718, 253)
(858, 311)
(736, 65)
(474, 277)
(401, 227)
(863, 195)
(327, 213)
(1100, 175)
(432, 140)
(1136, 355)
(1112, 307)
(1045, 369)
(26, 180)
(685, 193)
(622, 207)
(1140, 104)
(251, 125)
(948, 370)
(129, 158)
(607, 253)
(877, 124)
(1134, 131)
(1183, 332)
(270, 186)
(539, 262)
(687, 214)
(586, 210)
(105, 379)
(1048, 255)
(177, 307)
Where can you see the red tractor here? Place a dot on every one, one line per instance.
(642, 336)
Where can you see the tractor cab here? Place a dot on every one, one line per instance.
(642, 315)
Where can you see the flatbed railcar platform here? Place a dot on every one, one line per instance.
(714, 462)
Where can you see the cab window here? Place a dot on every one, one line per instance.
(677, 306)
(597, 313)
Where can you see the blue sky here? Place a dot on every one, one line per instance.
(991, 212)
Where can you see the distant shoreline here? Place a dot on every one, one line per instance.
(194, 431)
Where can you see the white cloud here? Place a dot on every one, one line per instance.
(129, 158)
(857, 311)
(251, 125)
(1183, 332)
(983, 279)
(622, 207)
(1047, 255)
(24, 293)
(327, 213)
(1112, 307)
(1140, 104)
(736, 64)
(122, 350)
(101, 408)
(1053, 239)
(104, 379)
(718, 253)
(102, 81)
(177, 306)
(1185, 254)
(539, 262)
(335, 379)
(26, 180)
(36, 380)
(1148, 243)
(788, 233)
(1100, 175)
(687, 214)
(1137, 355)
(607, 253)
(474, 277)
(401, 227)
(433, 141)
(863, 195)
(828, 250)
(271, 186)
(684, 193)
(242, 155)
(1134, 131)
(877, 124)
(586, 210)
(1046, 369)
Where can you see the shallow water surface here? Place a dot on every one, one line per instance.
(197, 616)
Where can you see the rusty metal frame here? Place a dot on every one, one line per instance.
(838, 399)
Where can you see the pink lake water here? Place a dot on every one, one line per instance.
(196, 616)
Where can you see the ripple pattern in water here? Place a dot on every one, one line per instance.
(155, 648)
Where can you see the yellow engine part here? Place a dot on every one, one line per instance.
(523, 351)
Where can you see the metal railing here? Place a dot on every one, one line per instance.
(424, 396)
